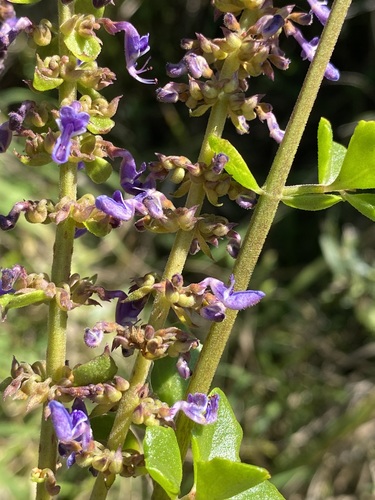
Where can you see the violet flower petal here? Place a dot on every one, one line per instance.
(200, 408)
(135, 46)
(320, 10)
(117, 207)
(72, 122)
(231, 299)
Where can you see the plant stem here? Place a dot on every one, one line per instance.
(265, 211)
(174, 265)
(61, 265)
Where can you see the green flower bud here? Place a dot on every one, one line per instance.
(38, 213)
(42, 33)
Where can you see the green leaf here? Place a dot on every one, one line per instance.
(221, 479)
(219, 439)
(85, 49)
(263, 491)
(358, 168)
(311, 201)
(364, 203)
(100, 125)
(15, 301)
(166, 381)
(98, 228)
(162, 458)
(236, 165)
(29, 2)
(330, 154)
(98, 170)
(42, 82)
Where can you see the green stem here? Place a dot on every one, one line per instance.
(174, 265)
(61, 265)
(265, 211)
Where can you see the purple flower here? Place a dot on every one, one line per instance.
(269, 25)
(264, 112)
(308, 52)
(72, 429)
(213, 312)
(5, 137)
(127, 312)
(16, 118)
(101, 3)
(135, 47)
(218, 162)
(200, 408)
(93, 337)
(146, 202)
(129, 174)
(9, 30)
(231, 299)
(72, 122)
(182, 365)
(234, 243)
(9, 276)
(320, 10)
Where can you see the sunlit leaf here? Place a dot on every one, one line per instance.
(236, 165)
(219, 439)
(363, 202)
(311, 202)
(221, 479)
(162, 458)
(330, 154)
(85, 49)
(100, 125)
(29, 2)
(98, 170)
(358, 168)
(262, 491)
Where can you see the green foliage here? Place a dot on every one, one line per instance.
(221, 479)
(330, 154)
(98, 170)
(29, 2)
(162, 457)
(84, 48)
(14, 301)
(236, 165)
(167, 383)
(218, 471)
(340, 171)
(358, 168)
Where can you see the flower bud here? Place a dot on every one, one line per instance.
(38, 212)
(42, 33)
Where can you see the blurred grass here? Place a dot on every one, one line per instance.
(300, 368)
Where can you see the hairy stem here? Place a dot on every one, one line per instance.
(265, 211)
(174, 265)
(61, 265)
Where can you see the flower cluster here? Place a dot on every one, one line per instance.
(209, 298)
(70, 135)
(250, 51)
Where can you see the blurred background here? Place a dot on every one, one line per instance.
(300, 367)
